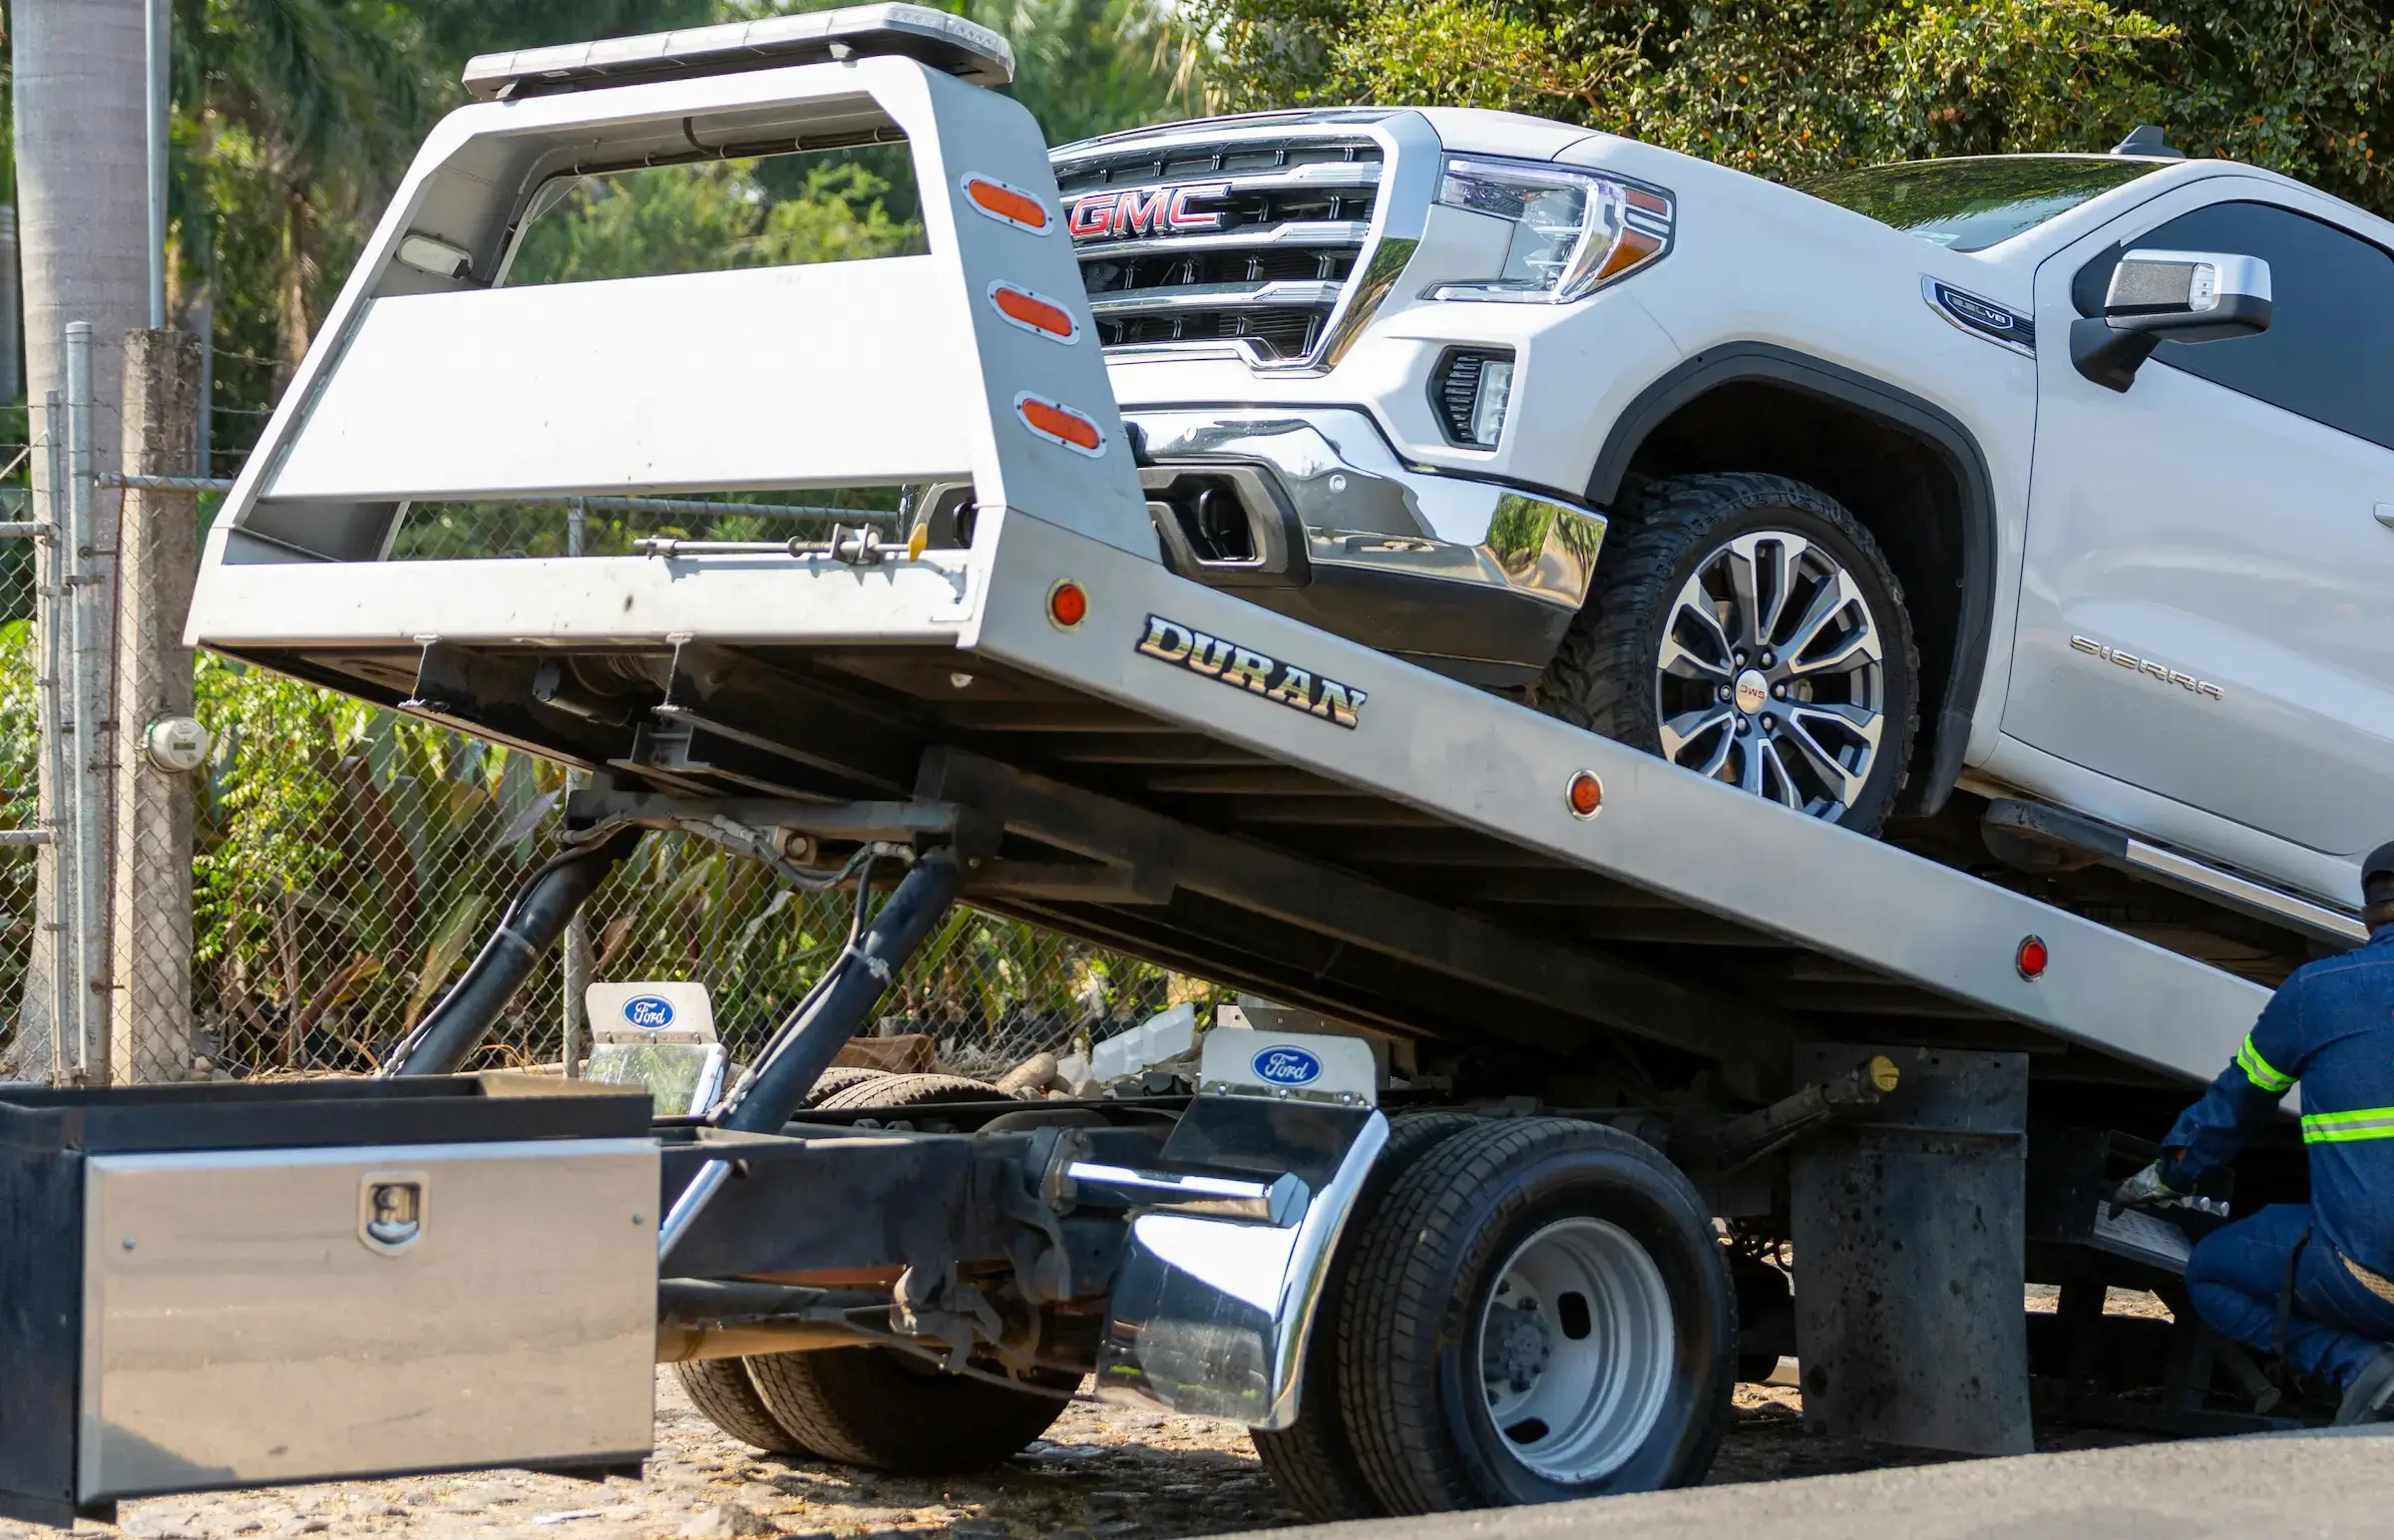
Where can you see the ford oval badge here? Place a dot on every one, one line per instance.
(1286, 1065)
(648, 1013)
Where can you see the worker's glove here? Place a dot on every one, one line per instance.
(2148, 1187)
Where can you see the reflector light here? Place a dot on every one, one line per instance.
(1035, 312)
(1068, 605)
(2033, 956)
(1585, 794)
(1059, 424)
(1007, 205)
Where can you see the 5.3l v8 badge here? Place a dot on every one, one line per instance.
(1300, 690)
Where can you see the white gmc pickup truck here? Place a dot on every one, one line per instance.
(2065, 479)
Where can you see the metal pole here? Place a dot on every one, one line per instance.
(55, 558)
(577, 929)
(158, 60)
(89, 837)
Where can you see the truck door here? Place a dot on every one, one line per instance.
(2206, 601)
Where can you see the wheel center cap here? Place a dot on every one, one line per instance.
(1751, 691)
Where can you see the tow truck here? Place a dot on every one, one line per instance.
(1662, 1041)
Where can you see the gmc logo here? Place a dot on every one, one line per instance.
(1149, 210)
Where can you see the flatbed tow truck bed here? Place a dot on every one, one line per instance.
(1029, 712)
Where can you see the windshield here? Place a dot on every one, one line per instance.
(1969, 204)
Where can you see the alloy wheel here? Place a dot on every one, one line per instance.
(1771, 675)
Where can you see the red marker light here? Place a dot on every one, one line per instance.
(1585, 795)
(1033, 312)
(2033, 956)
(1068, 605)
(1007, 205)
(1059, 424)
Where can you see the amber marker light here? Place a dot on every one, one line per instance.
(1068, 605)
(1007, 205)
(1059, 424)
(1585, 795)
(2032, 958)
(1035, 312)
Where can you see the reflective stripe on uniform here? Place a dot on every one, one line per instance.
(2260, 1071)
(2337, 1127)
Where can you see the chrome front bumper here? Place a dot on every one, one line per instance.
(1473, 577)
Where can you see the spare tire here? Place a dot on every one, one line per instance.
(910, 1091)
(838, 1079)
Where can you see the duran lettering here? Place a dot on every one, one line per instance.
(1257, 673)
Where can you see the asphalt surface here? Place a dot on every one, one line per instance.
(2285, 1486)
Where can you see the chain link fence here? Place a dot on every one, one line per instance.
(351, 862)
(348, 862)
(20, 714)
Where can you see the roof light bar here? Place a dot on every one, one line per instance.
(936, 38)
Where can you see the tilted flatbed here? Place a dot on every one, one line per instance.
(1917, 1074)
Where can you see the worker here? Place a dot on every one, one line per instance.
(2312, 1281)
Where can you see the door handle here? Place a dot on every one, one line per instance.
(2385, 515)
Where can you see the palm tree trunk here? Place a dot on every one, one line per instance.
(298, 266)
(83, 233)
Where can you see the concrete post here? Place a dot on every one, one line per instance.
(150, 1036)
(77, 88)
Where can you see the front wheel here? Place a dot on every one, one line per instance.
(1749, 629)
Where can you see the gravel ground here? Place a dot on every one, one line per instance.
(1103, 1472)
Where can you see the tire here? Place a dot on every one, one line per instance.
(910, 1092)
(1836, 742)
(722, 1391)
(1312, 1461)
(1474, 1251)
(889, 1411)
(886, 1410)
(838, 1079)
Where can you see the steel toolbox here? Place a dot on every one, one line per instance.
(221, 1284)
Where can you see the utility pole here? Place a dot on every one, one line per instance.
(157, 563)
(78, 83)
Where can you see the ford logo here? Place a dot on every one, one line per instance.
(1287, 1066)
(648, 1013)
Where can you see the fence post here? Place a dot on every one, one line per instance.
(576, 959)
(59, 861)
(86, 670)
(157, 563)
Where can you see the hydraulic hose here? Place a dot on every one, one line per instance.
(456, 1026)
(831, 1015)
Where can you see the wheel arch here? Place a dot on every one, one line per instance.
(1919, 483)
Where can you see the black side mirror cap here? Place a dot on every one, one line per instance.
(2170, 296)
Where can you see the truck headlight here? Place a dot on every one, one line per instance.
(1574, 231)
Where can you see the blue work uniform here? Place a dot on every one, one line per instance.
(2332, 1027)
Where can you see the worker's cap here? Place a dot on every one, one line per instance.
(2378, 866)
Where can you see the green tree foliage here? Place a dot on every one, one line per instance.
(1794, 88)
(717, 214)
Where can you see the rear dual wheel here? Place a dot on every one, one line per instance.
(877, 1406)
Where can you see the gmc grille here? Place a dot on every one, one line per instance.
(1256, 250)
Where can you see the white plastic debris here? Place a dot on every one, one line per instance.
(1166, 1035)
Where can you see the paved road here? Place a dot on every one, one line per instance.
(2284, 1485)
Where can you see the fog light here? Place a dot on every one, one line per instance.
(1470, 390)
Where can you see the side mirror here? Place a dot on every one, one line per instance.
(2168, 296)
